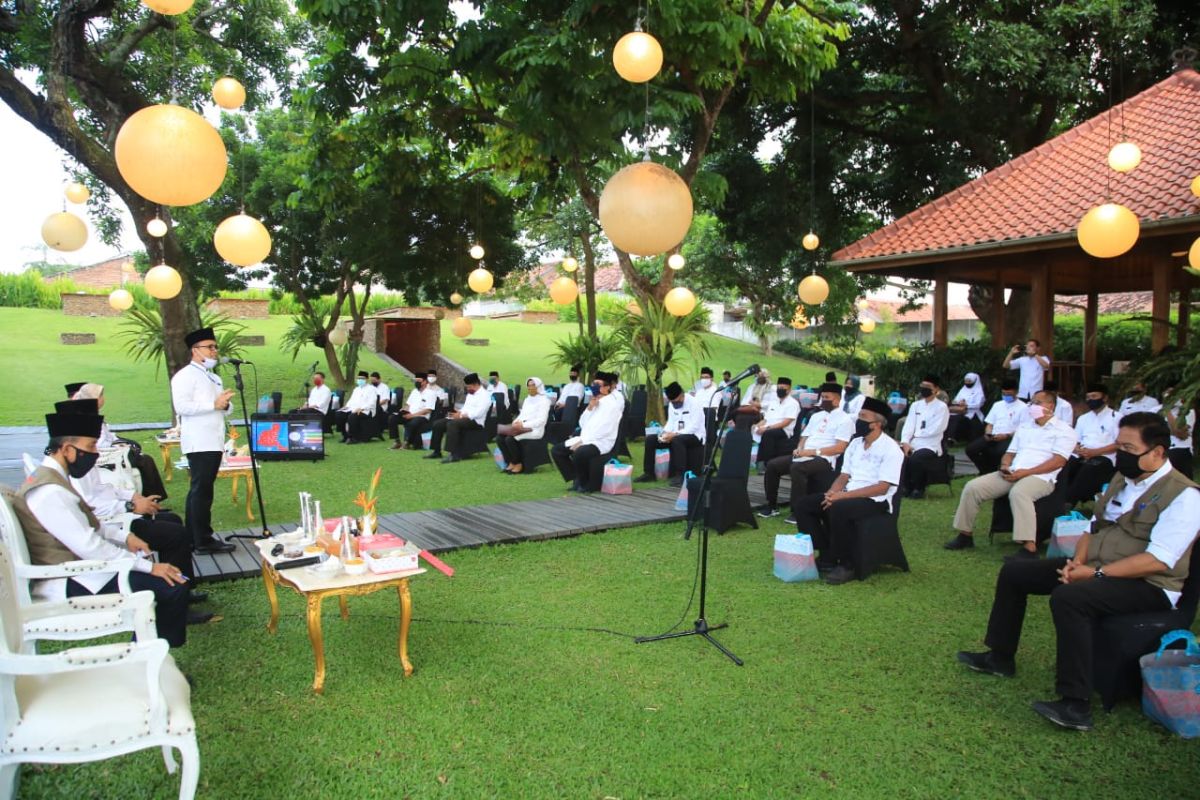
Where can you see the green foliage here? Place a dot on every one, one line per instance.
(1119, 337)
(654, 341)
(949, 364)
(587, 351)
(838, 352)
(141, 330)
(28, 290)
(1174, 374)
(610, 308)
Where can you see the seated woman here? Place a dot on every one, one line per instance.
(530, 424)
(147, 467)
(966, 410)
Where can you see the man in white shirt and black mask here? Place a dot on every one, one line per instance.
(921, 437)
(202, 403)
(355, 416)
(810, 466)
(471, 417)
(416, 416)
(1094, 460)
(580, 459)
(683, 436)
(573, 388)
(774, 433)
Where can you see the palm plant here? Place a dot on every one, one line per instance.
(142, 333)
(587, 351)
(654, 341)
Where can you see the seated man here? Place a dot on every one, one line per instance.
(864, 489)
(529, 424)
(471, 417)
(755, 400)
(574, 388)
(145, 464)
(1036, 453)
(684, 435)
(581, 458)
(1181, 425)
(921, 437)
(497, 386)
(1092, 463)
(1001, 422)
(1135, 560)
(1065, 410)
(705, 391)
(966, 410)
(59, 527)
(319, 397)
(810, 465)
(415, 416)
(1138, 400)
(354, 418)
(774, 433)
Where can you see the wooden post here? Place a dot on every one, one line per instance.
(1091, 370)
(1160, 309)
(1185, 317)
(941, 323)
(999, 316)
(1041, 291)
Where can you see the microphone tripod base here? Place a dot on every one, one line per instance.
(701, 628)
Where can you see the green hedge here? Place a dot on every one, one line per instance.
(28, 290)
(1119, 337)
(609, 308)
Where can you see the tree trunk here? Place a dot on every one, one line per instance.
(589, 282)
(180, 314)
(982, 299)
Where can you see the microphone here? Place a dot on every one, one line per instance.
(237, 362)
(753, 369)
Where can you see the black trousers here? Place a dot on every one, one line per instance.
(963, 428)
(510, 446)
(202, 469)
(1075, 608)
(451, 430)
(774, 443)
(413, 428)
(1181, 459)
(170, 603)
(1085, 476)
(394, 421)
(986, 455)
(584, 465)
(834, 532)
(808, 477)
(920, 464)
(167, 536)
(356, 427)
(687, 451)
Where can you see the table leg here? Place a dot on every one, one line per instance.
(165, 449)
(249, 494)
(233, 481)
(270, 583)
(344, 606)
(405, 619)
(318, 643)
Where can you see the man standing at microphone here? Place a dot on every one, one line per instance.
(202, 402)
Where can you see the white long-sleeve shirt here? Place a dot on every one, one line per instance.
(571, 389)
(599, 426)
(362, 399)
(1146, 403)
(421, 399)
(194, 392)
(105, 500)
(319, 398)
(1098, 429)
(709, 397)
(1065, 411)
(535, 410)
(688, 418)
(383, 392)
(476, 405)
(59, 513)
(925, 424)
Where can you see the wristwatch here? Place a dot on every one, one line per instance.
(129, 505)
(1099, 573)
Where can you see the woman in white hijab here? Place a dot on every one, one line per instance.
(966, 410)
(529, 424)
(152, 483)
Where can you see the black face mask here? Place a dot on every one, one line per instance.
(677, 405)
(849, 392)
(1127, 464)
(417, 384)
(82, 464)
(575, 376)
(1095, 404)
(925, 391)
(862, 428)
(782, 392)
(828, 405)
(596, 387)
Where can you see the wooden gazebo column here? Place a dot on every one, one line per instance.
(1160, 309)
(1185, 317)
(1091, 369)
(1041, 306)
(941, 309)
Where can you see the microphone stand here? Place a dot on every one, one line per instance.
(262, 512)
(700, 514)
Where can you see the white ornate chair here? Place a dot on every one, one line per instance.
(89, 703)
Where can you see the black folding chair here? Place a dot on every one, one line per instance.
(559, 432)
(729, 500)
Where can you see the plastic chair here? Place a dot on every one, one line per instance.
(1046, 508)
(729, 500)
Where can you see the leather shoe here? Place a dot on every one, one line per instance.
(960, 542)
(1023, 555)
(197, 597)
(1073, 714)
(988, 663)
(434, 455)
(214, 544)
(396, 446)
(839, 575)
(198, 617)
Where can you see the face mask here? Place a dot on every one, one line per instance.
(574, 376)
(374, 382)
(318, 381)
(925, 391)
(969, 384)
(595, 387)
(677, 405)
(1009, 398)
(782, 392)
(762, 380)
(1095, 404)
(849, 391)
(862, 428)
(417, 383)
(828, 405)
(1136, 393)
(491, 381)
(360, 382)
(209, 362)
(431, 379)
(1036, 413)
(82, 464)
(1127, 464)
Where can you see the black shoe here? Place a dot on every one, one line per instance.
(1073, 714)
(825, 567)
(1023, 555)
(675, 483)
(988, 663)
(214, 545)
(434, 454)
(791, 519)
(766, 512)
(960, 542)
(646, 478)
(197, 597)
(839, 575)
(916, 494)
(198, 617)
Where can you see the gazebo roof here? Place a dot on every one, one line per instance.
(1035, 201)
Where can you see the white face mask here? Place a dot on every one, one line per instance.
(705, 383)
(209, 362)
(431, 379)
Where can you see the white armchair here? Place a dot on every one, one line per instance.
(89, 703)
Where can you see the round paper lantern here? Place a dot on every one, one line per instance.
(228, 93)
(1124, 156)
(337, 337)
(569, 264)
(128, 268)
(637, 57)
(456, 298)
(1196, 186)
(563, 290)
(867, 325)
(863, 304)
(77, 193)
(480, 280)
(676, 261)
(814, 289)
(811, 241)
(156, 227)
(168, 7)
(1194, 254)
(163, 282)
(242, 240)
(645, 209)
(680, 301)
(64, 231)
(476, 252)
(461, 327)
(170, 155)
(1108, 231)
(120, 299)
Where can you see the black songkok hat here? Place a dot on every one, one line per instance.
(835, 388)
(673, 390)
(72, 388)
(471, 378)
(878, 406)
(197, 336)
(60, 425)
(78, 407)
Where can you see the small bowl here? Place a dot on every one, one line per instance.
(292, 537)
(313, 550)
(355, 566)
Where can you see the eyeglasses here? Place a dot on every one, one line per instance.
(212, 347)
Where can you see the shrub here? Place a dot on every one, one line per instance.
(29, 290)
(1119, 337)
(840, 354)
(949, 364)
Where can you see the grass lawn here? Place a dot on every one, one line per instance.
(847, 691)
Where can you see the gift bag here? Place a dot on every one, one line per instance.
(681, 502)
(1065, 534)
(1171, 685)
(618, 478)
(794, 559)
(753, 456)
(662, 464)
(653, 429)
(266, 405)
(498, 457)
(426, 439)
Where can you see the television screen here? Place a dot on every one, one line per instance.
(282, 436)
(270, 436)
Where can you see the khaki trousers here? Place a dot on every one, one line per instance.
(1021, 496)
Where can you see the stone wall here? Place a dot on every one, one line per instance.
(87, 305)
(105, 275)
(539, 317)
(77, 338)
(239, 309)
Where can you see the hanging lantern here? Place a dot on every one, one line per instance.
(680, 301)
(480, 280)
(242, 240)
(645, 209)
(163, 282)
(120, 300)
(867, 325)
(563, 290)
(1196, 186)
(676, 261)
(1194, 254)
(156, 227)
(338, 336)
(228, 93)
(476, 252)
(570, 264)
(77, 193)
(455, 298)
(863, 304)
(461, 327)
(1124, 156)
(168, 7)
(637, 56)
(128, 269)
(811, 241)
(64, 231)
(170, 155)
(1108, 231)
(814, 289)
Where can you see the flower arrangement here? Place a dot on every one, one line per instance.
(367, 501)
